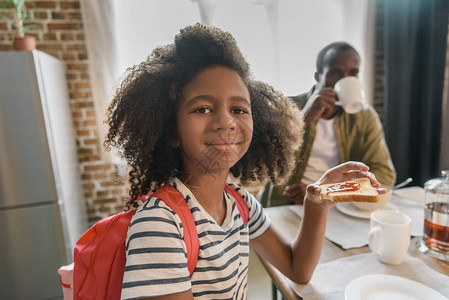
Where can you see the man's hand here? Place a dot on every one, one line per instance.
(320, 105)
(295, 192)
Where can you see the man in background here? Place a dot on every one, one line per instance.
(333, 136)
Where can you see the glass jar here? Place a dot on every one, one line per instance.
(435, 241)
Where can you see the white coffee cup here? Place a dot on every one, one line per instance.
(350, 94)
(389, 236)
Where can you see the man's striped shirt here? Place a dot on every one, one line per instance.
(156, 253)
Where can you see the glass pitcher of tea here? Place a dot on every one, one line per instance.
(435, 240)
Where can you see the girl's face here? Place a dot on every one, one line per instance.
(215, 124)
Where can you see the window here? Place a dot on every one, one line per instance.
(280, 38)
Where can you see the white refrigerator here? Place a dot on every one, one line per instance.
(42, 206)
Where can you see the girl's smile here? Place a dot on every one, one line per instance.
(225, 145)
(215, 124)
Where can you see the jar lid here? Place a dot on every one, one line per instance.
(439, 185)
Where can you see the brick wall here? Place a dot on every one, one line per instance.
(60, 33)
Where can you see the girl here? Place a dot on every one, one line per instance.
(188, 116)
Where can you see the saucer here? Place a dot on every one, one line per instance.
(348, 209)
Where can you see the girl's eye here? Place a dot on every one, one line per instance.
(238, 111)
(203, 110)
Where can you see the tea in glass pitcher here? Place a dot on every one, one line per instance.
(435, 241)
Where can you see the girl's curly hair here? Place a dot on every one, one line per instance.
(142, 115)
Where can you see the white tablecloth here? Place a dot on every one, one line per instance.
(352, 232)
(330, 279)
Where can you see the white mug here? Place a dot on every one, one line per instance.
(350, 94)
(389, 236)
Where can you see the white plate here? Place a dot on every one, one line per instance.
(350, 210)
(389, 287)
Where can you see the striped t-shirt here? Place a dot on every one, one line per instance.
(156, 259)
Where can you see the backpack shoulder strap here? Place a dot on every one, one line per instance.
(242, 206)
(173, 198)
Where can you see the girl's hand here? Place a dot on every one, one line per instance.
(343, 172)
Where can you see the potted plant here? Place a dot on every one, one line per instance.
(20, 14)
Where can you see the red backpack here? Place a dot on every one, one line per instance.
(100, 255)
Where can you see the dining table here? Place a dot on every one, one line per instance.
(346, 255)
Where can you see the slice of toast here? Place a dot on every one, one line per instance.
(357, 190)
